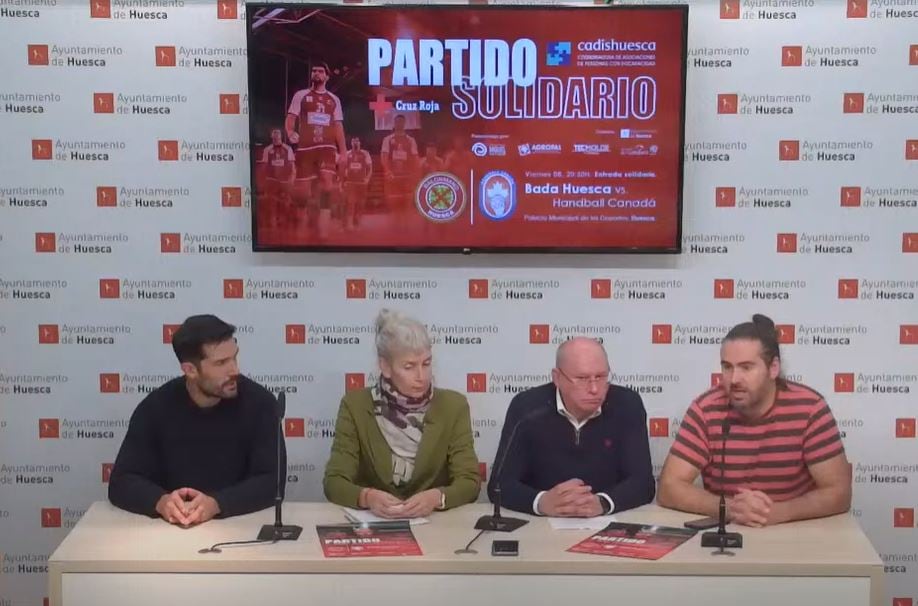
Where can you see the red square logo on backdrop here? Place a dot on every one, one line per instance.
(169, 332)
(789, 150)
(791, 56)
(911, 149)
(659, 427)
(661, 334)
(478, 288)
(717, 379)
(231, 197)
(601, 288)
(106, 196)
(905, 428)
(50, 517)
(42, 149)
(106, 472)
(857, 9)
(476, 382)
(165, 56)
(38, 54)
(229, 103)
(729, 9)
(483, 471)
(787, 333)
(170, 243)
(910, 242)
(539, 333)
(295, 428)
(723, 289)
(167, 151)
(901, 601)
(725, 197)
(787, 243)
(233, 289)
(103, 103)
(49, 428)
(45, 242)
(844, 382)
(227, 9)
(296, 334)
(850, 196)
(109, 288)
(110, 382)
(908, 334)
(847, 288)
(48, 334)
(903, 517)
(356, 288)
(100, 9)
(727, 103)
(853, 103)
(354, 380)
(913, 54)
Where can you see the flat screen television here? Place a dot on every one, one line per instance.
(467, 128)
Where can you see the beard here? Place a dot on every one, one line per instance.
(227, 389)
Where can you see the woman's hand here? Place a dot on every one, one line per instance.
(384, 504)
(422, 504)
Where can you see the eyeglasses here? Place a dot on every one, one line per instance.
(584, 381)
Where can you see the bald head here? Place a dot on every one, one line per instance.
(581, 375)
(578, 348)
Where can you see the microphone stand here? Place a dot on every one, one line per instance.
(278, 531)
(496, 522)
(721, 539)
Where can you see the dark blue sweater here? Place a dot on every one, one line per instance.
(611, 452)
(228, 451)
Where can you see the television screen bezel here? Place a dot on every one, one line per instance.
(251, 7)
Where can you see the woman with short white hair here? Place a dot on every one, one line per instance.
(402, 447)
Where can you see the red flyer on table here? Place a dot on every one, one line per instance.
(634, 541)
(367, 540)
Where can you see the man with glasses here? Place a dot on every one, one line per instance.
(580, 447)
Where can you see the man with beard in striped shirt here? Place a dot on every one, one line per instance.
(783, 458)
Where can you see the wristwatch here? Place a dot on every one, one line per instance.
(442, 500)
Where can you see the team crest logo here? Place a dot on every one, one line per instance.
(497, 195)
(440, 197)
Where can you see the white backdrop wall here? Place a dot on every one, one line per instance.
(80, 342)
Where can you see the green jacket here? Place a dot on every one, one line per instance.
(361, 457)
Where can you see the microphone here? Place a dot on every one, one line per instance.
(496, 522)
(278, 531)
(721, 538)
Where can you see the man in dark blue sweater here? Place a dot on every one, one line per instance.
(581, 447)
(204, 444)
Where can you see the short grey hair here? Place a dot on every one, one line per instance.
(396, 333)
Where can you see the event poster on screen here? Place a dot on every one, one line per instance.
(367, 540)
(482, 128)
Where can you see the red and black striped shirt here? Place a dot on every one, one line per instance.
(771, 454)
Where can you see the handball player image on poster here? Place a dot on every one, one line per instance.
(466, 128)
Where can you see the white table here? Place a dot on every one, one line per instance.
(115, 558)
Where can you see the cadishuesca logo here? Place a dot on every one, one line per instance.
(558, 54)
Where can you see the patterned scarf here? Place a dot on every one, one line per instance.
(396, 407)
